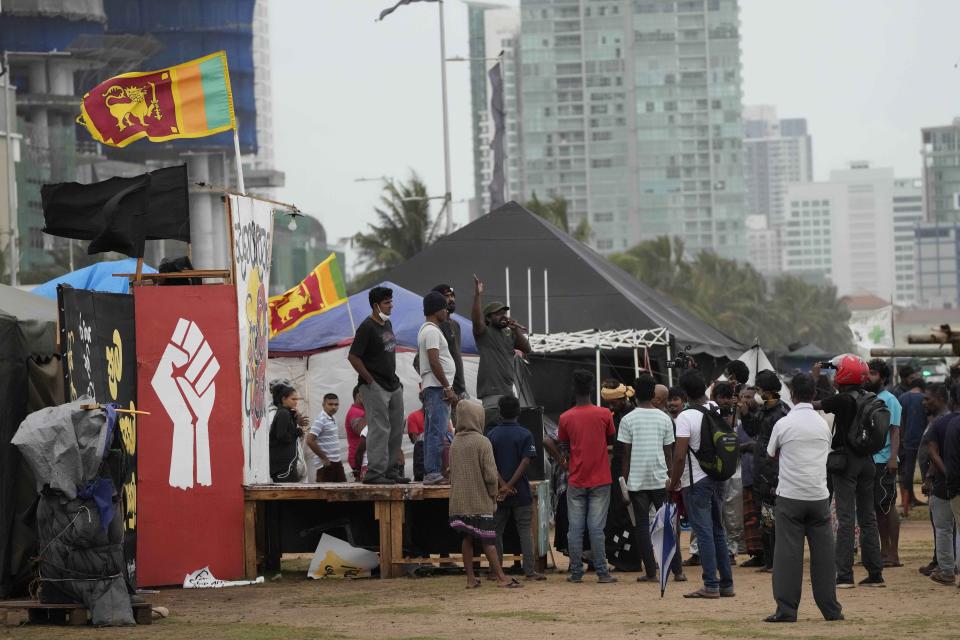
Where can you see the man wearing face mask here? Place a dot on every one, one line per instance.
(497, 336)
(373, 357)
(758, 423)
(451, 330)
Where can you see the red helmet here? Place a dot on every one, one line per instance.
(851, 369)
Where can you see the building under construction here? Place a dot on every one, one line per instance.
(55, 50)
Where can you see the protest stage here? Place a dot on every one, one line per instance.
(417, 510)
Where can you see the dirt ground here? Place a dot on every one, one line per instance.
(439, 607)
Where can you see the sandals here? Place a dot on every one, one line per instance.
(513, 584)
(476, 584)
(646, 578)
(703, 593)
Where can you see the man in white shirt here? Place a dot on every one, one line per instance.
(437, 368)
(801, 439)
(702, 495)
(323, 440)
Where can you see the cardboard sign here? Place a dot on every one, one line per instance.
(190, 453)
(335, 558)
(251, 222)
(98, 340)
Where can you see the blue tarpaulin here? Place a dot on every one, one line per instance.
(96, 277)
(332, 327)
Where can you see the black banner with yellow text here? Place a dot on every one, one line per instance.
(98, 342)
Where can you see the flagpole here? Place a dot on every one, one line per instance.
(236, 150)
(447, 196)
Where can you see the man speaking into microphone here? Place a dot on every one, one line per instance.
(497, 335)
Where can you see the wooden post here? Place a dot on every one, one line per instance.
(250, 539)
(382, 512)
(139, 270)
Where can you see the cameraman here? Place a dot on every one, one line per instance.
(758, 423)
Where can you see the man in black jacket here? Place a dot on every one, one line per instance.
(758, 423)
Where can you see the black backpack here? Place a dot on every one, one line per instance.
(719, 452)
(868, 431)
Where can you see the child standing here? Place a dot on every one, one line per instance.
(474, 486)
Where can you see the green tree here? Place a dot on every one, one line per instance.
(554, 211)
(404, 228)
(736, 299)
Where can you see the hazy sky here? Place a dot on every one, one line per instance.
(354, 98)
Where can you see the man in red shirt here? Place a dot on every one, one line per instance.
(587, 429)
(355, 422)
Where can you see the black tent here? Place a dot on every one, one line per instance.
(30, 378)
(585, 290)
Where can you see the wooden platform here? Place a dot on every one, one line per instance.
(63, 614)
(389, 509)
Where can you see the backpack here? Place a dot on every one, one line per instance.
(867, 433)
(719, 452)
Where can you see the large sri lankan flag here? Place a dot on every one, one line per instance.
(190, 100)
(321, 290)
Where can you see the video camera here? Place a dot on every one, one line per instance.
(683, 360)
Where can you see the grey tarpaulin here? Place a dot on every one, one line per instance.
(80, 559)
(64, 445)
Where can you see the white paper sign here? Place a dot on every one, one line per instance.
(203, 579)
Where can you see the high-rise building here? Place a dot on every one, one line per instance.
(938, 263)
(843, 229)
(777, 153)
(494, 35)
(806, 244)
(763, 246)
(631, 110)
(907, 214)
(941, 172)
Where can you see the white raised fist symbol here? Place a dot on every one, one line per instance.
(184, 384)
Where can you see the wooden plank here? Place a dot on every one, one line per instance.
(250, 540)
(396, 538)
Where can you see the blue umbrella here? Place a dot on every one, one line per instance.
(96, 277)
(663, 535)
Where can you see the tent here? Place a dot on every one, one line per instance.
(520, 256)
(313, 356)
(30, 378)
(96, 277)
(335, 327)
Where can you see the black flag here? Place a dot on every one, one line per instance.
(498, 112)
(119, 214)
(389, 10)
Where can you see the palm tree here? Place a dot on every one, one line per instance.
(814, 313)
(555, 212)
(657, 263)
(403, 229)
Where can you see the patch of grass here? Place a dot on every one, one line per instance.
(403, 611)
(528, 616)
(170, 629)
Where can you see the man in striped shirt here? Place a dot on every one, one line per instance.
(324, 440)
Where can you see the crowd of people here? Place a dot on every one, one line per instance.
(756, 467)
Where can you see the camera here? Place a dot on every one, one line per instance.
(683, 360)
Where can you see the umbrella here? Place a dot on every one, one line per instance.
(663, 535)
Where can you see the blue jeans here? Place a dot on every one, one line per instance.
(704, 505)
(437, 416)
(587, 506)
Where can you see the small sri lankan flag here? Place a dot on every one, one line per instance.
(320, 291)
(190, 100)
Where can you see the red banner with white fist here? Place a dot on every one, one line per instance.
(190, 450)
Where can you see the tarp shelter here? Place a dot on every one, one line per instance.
(30, 378)
(313, 355)
(585, 290)
(96, 277)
